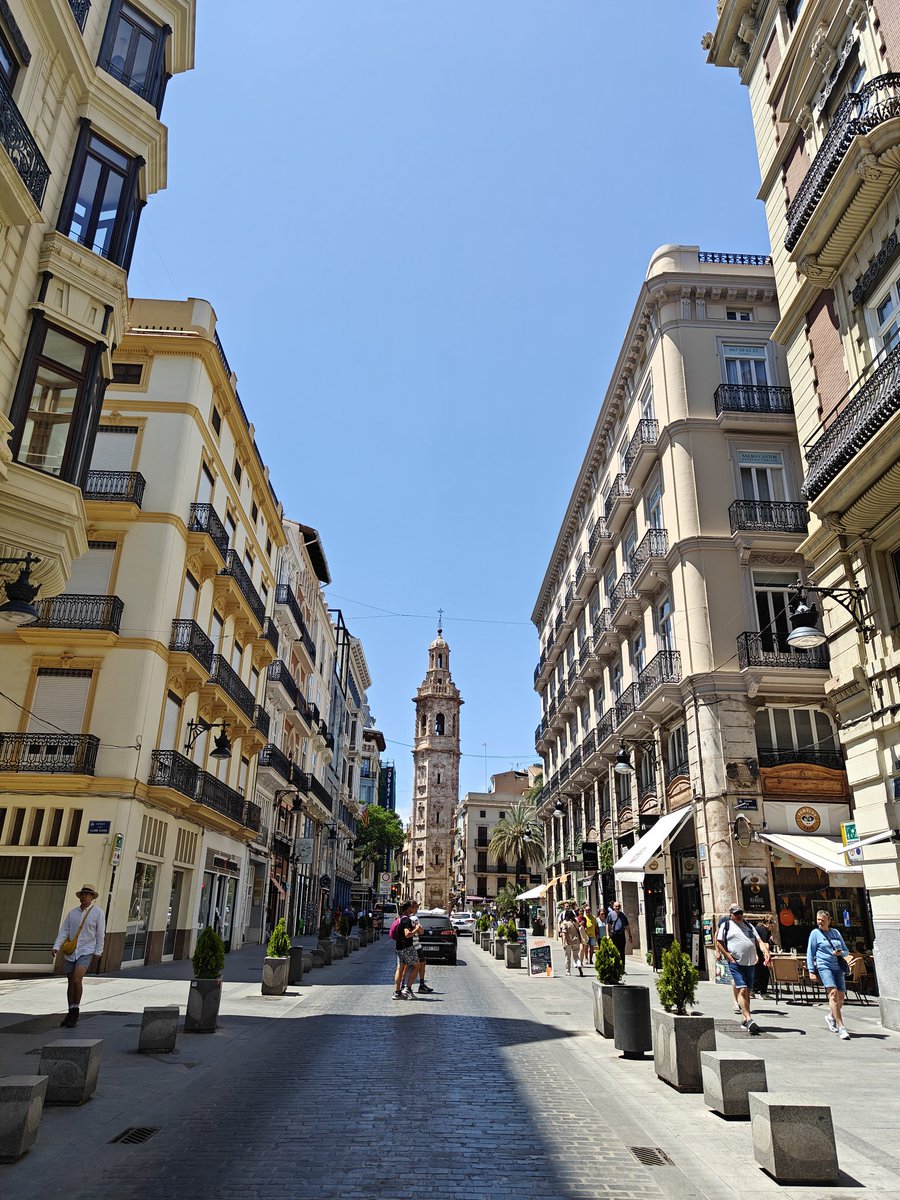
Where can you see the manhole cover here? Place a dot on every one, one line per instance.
(651, 1156)
(135, 1135)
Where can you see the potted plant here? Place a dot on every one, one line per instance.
(363, 924)
(484, 929)
(609, 968)
(513, 948)
(341, 941)
(325, 942)
(277, 962)
(500, 942)
(205, 992)
(679, 1039)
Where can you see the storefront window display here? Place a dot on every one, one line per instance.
(800, 894)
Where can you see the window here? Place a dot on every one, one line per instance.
(134, 52)
(884, 319)
(678, 750)
(482, 813)
(101, 204)
(59, 701)
(439, 725)
(647, 412)
(268, 547)
(794, 9)
(762, 475)
(237, 472)
(745, 365)
(654, 508)
(114, 448)
(231, 526)
(772, 591)
(803, 734)
(502, 816)
(216, 421)
(638, 647)
(665, 631)
(128, 374)
(56, 407)
(254, 512)
(9, 64)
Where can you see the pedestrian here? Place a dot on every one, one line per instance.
(590, 927)
(571, 940)
(761, 975)
(826, 960)
(618, 929)
(80, 939)
(407, 956)
(740, 944)
(418, 971)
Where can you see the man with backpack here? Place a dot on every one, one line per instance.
(403, 930)
(739, 944)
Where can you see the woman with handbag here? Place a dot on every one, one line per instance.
(826, 959)
(80, 939)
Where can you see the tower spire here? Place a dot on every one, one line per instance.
(440, 622)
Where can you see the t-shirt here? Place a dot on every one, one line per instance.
(590, 925)
(402, 929)
(740, 940)
(616, 922)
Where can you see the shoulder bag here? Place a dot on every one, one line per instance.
(70, 944)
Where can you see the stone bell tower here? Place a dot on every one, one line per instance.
(436, 779)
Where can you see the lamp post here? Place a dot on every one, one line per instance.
(805, 632)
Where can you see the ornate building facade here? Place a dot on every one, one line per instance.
(436, 783)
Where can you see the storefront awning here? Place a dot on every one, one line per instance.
(535, 893)
(630, 867)
(823, 852)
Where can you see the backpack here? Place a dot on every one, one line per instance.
(393, 930)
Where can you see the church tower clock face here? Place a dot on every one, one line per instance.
(435, 779)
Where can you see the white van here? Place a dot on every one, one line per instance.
(386, 912)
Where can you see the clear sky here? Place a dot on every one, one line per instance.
(423, 224)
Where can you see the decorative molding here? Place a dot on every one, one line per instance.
(15, 33)
(810, 267)
(876, 268)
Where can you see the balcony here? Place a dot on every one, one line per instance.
(169, 769)
(851, 180)
(832, 759)
(214, 794)
(49, 753)
(676, 770)
(539, 732)
(225, 677)
(605, 728)
(189, 639)
(284, 595)
(617, 503)
(747, 406)
(648, 564)
(261, 720)
(624, 605)
(864, 411)
(100, 615)
(584, 577)
(125, 488)
(80, 10)
(276, 760)
(657, 683)
(626, 706)
(768, 516)
(600, 536)
(235, 570)
(772, 651)
(265, 647)
(321, 793)
(641, 451)
(207, 536)
(23, 172)
(279, 674)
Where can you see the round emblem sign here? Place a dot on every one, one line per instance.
(807, 819)
(652, 866)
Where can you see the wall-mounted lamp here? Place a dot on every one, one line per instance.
(623, 765)
(297, 805)
(20, 592)
(805, 632)
(559, 809)
(222, 744)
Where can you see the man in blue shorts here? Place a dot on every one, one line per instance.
(739, 944)
(80, 939)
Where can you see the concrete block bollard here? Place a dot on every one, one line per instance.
(793, 1137)
(72, 1069)
(21, 1105)
(159, 1029)
(295, 970)
(729, 1076)
(318, 958)
(354, 943)
(307, 962)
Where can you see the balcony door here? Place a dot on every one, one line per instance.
(884, 320)
(762, 475)
(92, 572)
(114, 448)
(59, 701)
(772, 591)
(746, 365)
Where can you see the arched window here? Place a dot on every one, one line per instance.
(440, 662)
(424, 725)
(439, 724)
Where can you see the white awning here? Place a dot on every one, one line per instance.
(823, 852)
(535, 893)
(630, 867)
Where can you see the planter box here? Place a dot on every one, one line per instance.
(339, 948)
(325, 947)
(513, 955)
(677, 1045)
(317, 957)
(485, 941)
(354, 944)
(275, 976)
(603, 1007)
(204, 997)
(295, 965)
(499, 948)
(631, 1019)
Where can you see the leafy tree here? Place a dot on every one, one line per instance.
(507, 899)
(379, 836)
(518, 838)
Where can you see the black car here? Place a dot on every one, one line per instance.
(438, 938)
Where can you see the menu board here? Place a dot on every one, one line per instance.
(540, 956)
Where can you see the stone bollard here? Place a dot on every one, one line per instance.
(317, 957)
(339, 949)
(307, 962)
(159, 1030)
(793, 1137)
(21, 1105)
(72, 1068)
(729, 1076)
(678, 1042)
(295, 970)
(354, 943)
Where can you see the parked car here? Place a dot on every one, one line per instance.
(438, 938)
(463, 923)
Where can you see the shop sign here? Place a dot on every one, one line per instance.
(304, 851)
(653, 867)
(807, 818)
(688, 864)
(590, 856)
(849, 834)
(755, 889)
(701, 851)
(540, 956)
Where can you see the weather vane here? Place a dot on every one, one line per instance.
(440, 621)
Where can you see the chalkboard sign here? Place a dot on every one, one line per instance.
(540, 957)
(523, 943)
(661, 943)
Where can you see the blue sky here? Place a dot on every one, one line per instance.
(423, 224)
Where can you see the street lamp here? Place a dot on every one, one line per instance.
(559, 810)
(805, 633)
(623, 765)
(221, 744)
(20, 592)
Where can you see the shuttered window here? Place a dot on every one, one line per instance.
(91, 573)
(60, 700)
(189, 598)
(114, 448)
(171, 723)
(205, 486)
(826, 353)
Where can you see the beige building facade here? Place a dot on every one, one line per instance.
(825, 105)
(479, 874)
(663, 623)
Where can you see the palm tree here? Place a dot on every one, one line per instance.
(518, 838)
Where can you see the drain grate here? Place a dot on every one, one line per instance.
(651, 1156)
(135, 1135)
(557, 1012)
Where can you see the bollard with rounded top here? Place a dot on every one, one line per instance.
(793, 1137)
(631, 1020)
(21, 1105)
(72, 1068)
(159, 1030)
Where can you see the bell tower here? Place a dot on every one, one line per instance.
(435, 780)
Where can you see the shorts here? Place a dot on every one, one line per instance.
(741, 976)
(592, 942)
(421, 953)
(83, 960)
(832, 977)
(408, 955)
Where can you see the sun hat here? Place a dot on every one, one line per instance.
(735, 908)
(88, 887)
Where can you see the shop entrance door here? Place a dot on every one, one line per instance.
(172, 917)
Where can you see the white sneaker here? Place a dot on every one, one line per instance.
(737, 1011)
(843, 1034)
(831, 1023)
(568, 972)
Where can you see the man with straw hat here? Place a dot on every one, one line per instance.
(80, 939)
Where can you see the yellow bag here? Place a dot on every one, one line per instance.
(68, 946)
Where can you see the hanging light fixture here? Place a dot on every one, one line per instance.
(221, 744)
(623, 761)
(559, 809)
(20, 592)
(805, 633)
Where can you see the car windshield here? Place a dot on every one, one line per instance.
(432, 924)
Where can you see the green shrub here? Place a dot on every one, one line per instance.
(608, 962)
(279, 943)
(209, 956)
(483, 923)
(677, 982)
(344, 926)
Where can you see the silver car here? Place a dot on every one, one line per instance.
(463, 923)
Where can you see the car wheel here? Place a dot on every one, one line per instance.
(452, 961)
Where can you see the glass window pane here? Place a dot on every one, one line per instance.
(143, 53)
(824, 732)
(804, 730)
(84, 201)
(784, 735)
(108, 209)
(885, 308)
(103, 150)
(64, 350)
(47, 425)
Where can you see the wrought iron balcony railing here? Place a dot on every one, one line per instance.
(80, 10)
(224, 676)
(864, 410)
(205, 519)
(602, 624)
(188, 637)
(753, 398)
(858, 113)
(570, 596)
(557, 624)
(580, 569)
(598, 534)
(588, 745)
(252, 816)
(627, 704)
(605, 726)
(285, 595)
(624, 590)
(270, 633)
(49, 753)
(734, 260)
(170, 769)
(646, 434)
(538, 732)
(17, 141)
(238, 572)
(321, 793)
(654, 544)
(80, 612)
(619, 491)
(768, 516)
(833, 759)
(279, 673)
(664, 667)
(261, 720)
(213, 793)
(271, 756)
(771, 650)
(115, 486)
(672, 770)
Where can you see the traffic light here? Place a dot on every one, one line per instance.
(395, 891)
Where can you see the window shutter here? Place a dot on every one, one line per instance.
(189, 598)
(91, 573)
(205, 487)
(171, 721)
(826, 353)
(114, 448)
(60, 699)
